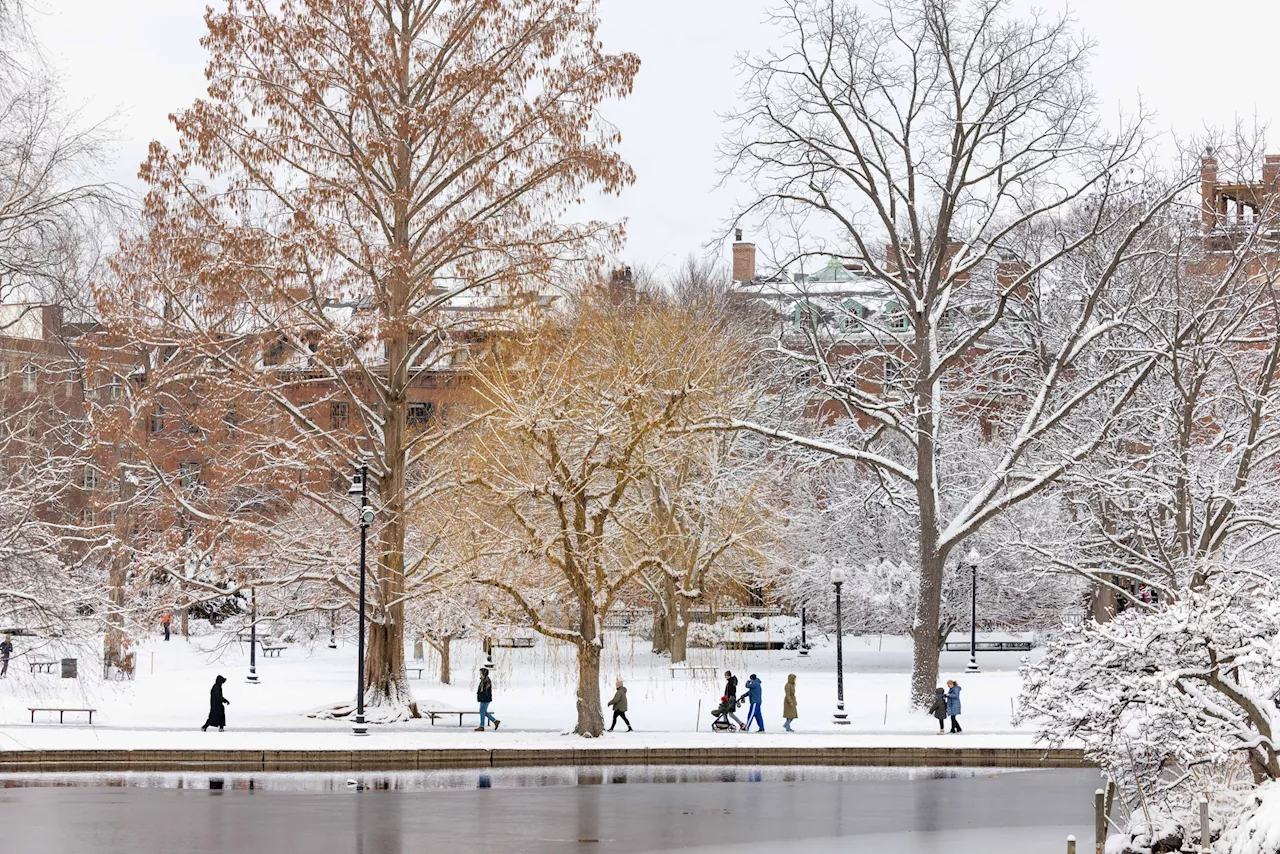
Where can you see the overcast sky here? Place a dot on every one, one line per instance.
(1196, 63)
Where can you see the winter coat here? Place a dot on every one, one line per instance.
(217, 714)
(939, 707)
(789, 699)
(6, 649)
(754, 691)
(731, 688)
(953, 700)
(484, 694)
(619, 701)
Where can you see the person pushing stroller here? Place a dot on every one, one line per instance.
(723, 712)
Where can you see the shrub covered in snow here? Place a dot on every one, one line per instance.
(1170, 700)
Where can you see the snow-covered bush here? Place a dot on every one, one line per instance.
(704, 636)
(1171, 700)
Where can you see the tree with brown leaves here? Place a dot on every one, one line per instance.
(367, 187)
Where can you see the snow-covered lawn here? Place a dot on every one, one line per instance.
(166, 703)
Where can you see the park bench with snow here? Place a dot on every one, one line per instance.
(514, 642)
(989, 646)
(60, 710)
(272, 651)
(685, 669)
(432, 714)
(42, 665)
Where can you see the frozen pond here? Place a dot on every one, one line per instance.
(627, 810)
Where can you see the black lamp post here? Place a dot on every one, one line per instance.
(972, 558)
(333, 630)
(253, 636)
(837, 578)
(360, 486)
(804, 643)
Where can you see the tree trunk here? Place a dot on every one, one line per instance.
(442, 645)
(679, 628)
(385, 684)
(185, 629)
(590, 712)
(661, 629)
(113, 640)
(925, 631)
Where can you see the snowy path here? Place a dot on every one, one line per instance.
(164, 706)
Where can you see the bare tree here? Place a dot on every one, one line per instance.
(951, 155)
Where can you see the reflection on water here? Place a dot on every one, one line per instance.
(489, 778)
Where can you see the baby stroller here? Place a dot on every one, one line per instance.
(721, 715)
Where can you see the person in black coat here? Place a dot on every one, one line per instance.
(731, 691)
(939, 708)
(217, 714)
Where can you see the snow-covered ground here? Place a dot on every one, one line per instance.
(163, 707)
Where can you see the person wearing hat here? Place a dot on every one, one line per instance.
(619, 704)
(484, 694)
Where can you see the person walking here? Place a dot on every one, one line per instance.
(166, 620)
(6, 650)
(619, 704)
(755, 693)
(731, 691)
(484, 695)
(939, 708)
(789, 713)
(217, 714)
(953, 705)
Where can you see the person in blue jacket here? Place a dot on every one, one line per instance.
(953, 704)
(755, 693)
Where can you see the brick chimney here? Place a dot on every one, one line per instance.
(1271, 171)
(1209, 190)
(744, 259)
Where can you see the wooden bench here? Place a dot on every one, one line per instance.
(694, 669)
(989, 646)
(418, 670)
(61, 712)
(514, 643)
(41, 665)
(272, 651)
(244, 636)
(442, 713)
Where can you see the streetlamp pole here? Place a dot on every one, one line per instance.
(840, 717)
(972, 557)
(804, 643)
(366, 518)
(253, 636)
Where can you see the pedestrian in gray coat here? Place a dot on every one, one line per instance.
(619, 704)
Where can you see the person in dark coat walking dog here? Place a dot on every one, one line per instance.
(619, 704)
(939, 708)
(217, 714)
(953, 704)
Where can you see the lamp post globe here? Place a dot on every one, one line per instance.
(972, 557)
(840, 716)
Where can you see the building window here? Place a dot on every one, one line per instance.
(189, 475)
(339, 415)
(5, 370)
(894, 376)
(90, 478)
(231, 419)
(113, 390)
(88, 518)
(420, 414)
(73, 380)
(28, 377)
(157, 420)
